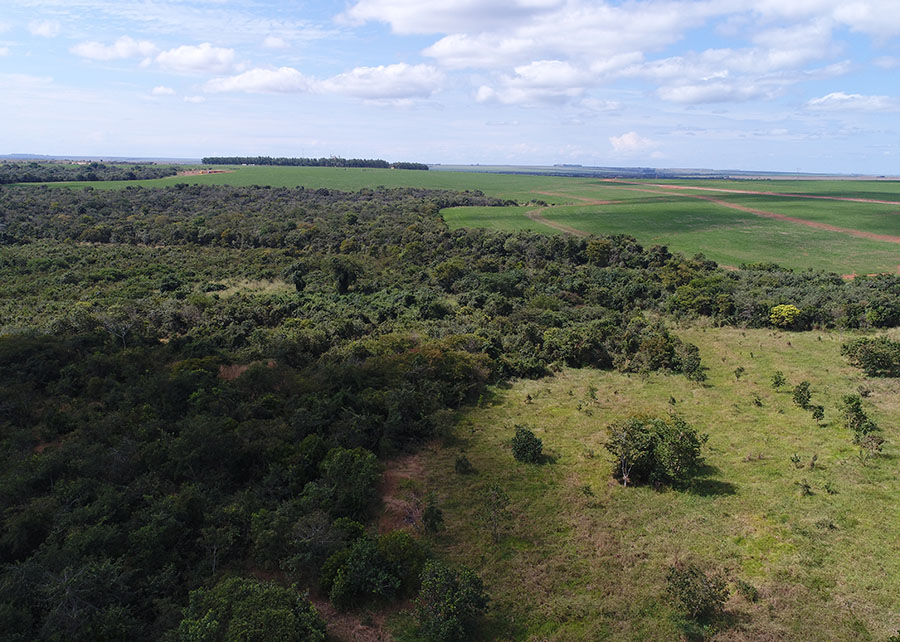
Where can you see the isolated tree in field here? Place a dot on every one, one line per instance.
(778, 380)
(450, 603)
(818, 413)
(655, 450)
(801, 394)
(526, 447)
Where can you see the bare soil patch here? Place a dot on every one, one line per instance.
(201, 172)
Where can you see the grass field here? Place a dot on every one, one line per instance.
(583, 558)
(709, 216)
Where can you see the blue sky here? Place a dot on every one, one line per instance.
(809, 85)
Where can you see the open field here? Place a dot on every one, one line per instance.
(583, 558)
(844, 226)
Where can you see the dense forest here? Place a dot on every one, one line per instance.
(331, 161)
(200, 384)
(32, 172)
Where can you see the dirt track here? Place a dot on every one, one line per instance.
(535, 215)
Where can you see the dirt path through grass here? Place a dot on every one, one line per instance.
(848, 199)
(773, 215)
(535, 215)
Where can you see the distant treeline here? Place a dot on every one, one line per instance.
(32, 172)
(331, 161)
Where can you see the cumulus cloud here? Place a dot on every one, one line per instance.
(839, 100)
(44, 28)
(630, 142)
(162, 91)
(197, 58)
(386, 82)
(124, 47)
(262, 81)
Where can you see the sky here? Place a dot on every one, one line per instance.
(768, 85)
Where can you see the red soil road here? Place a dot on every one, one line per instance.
(848, 199)
(535, 215)
(780, 217)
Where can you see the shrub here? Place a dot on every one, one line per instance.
(801, 394)
(526, 447)
(659, 451)
(701, 595)
(778, 380)
(784, 316)
(878, 357)
(856, 419)
(251, 611)
(463, 466)
(450, 603)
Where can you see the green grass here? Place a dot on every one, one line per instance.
(583, 558)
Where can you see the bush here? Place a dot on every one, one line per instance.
(784, 316)
(659, 451)
(450, 603)
(801, 394)
(856, 419)
(876, 357)
(526, 447)
(700, 595)
(251, 611)
(463, 466)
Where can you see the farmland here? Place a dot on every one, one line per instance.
(843, 226)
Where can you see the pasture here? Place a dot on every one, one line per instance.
(785, 505)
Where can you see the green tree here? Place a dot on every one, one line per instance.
(526, 447)
(244, 610)
(801, 394)
(450, 603)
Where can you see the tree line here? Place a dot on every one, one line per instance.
(32, 172)
(330, 161)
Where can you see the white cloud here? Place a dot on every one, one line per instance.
(4, 27)
(194, 99)
(630, 142)
(4, 51)
(162, 91)
(390, 82)
(274, 42)
(197, 58)
(447, 16)
(839, 100)
(715, 92)
(262, 81)
(124, 47)
(44, 28)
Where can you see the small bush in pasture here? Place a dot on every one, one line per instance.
(746, 590)
(778, 380)
(463, 466)
(801, 394)
(700, 595)
(526, 447)
(879, 357)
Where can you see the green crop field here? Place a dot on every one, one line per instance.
(591, 555)
(688, 216)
